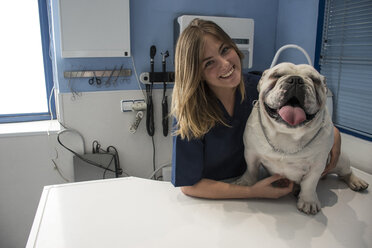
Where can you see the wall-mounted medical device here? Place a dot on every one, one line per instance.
(94, 28)
(241, 30)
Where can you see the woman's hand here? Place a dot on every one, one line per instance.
(265, 188)
(335, 152)
(211, 189)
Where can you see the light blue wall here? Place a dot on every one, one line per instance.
(276, 22)
(152, 23)
(297, 24)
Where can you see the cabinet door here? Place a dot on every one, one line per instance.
(94, 28)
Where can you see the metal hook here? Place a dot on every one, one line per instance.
(117, 76)
(109, 79)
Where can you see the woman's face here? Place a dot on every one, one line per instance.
(221, 65)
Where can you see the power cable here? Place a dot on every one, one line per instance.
(118, 171)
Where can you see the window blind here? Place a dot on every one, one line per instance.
(346, 62)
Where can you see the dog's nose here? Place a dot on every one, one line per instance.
(295, 80)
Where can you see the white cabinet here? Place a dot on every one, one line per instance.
(94, 28)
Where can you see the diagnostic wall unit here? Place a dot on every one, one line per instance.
(241, 30)
(94, 28)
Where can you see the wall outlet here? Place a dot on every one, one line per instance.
(133, 105)
(126, 106)
(139, 105)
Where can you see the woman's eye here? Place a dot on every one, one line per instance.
(209, 63)
(225, 49)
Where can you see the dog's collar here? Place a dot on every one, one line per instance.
(278, 149)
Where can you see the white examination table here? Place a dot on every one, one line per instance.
(134, 212)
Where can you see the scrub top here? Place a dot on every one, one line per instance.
(219, 155)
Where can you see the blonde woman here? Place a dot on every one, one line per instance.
(211, 103)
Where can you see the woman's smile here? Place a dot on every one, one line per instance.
(221, 65)
(228, 74)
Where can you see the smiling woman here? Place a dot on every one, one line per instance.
(24, 94)
(221, 69)
(211, 103)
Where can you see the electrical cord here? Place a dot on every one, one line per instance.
(56, 167)
(73, 131)
(96, 148)
(153, 153)
(164, 103)
(106, 169)
(59, 171)
(138, 82)
(150, 105)
(78, 155)
(158, 169)
(50, 103)
(117, 162)
(118, 171)
(150, 112)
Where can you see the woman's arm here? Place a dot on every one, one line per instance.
(335, 152)
(212, 189)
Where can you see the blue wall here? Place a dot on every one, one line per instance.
(152, 24)
(297, 24)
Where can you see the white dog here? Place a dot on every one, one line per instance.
(290, 132)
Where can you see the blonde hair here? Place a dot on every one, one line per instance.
(194, 105)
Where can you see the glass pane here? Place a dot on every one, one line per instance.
(22, 78)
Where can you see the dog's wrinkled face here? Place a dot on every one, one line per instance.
(292, 94)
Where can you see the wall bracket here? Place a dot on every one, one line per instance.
(157, 77)
(98, 73)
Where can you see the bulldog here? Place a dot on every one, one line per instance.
(290, 133)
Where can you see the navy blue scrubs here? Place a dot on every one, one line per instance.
(219, 154)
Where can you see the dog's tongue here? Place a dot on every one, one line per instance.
(292, 115)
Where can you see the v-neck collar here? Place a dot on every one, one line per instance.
(236, 106)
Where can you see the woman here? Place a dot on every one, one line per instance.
(211, 105)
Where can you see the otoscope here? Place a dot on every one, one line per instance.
(150, 107)
(164, 103)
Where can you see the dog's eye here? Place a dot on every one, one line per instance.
(315, 80)
(276, 75)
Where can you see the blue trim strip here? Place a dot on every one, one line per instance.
(319, 34)
(355, 134)
(44, 29)
(24, 114)
(24, 117)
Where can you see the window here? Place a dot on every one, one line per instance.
(346, 61)
(26, 78)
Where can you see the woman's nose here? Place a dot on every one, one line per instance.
(224, 62)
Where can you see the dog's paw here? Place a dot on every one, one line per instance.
(308, 207)
(355, 183)
(239, 181)
(245, 180)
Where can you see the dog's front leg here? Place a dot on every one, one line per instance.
(308, 201)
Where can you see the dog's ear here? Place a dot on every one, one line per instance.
(259, 85)
(324, 83)
(324, 80)
(260, 82)
(265, 72)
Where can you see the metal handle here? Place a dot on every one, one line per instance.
(290, 46)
